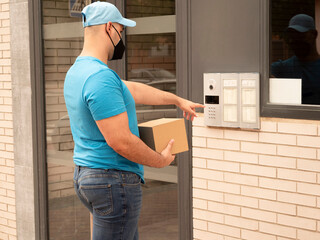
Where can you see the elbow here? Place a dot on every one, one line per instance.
(120, 146)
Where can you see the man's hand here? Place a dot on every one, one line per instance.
(166, 154)
(189, 108)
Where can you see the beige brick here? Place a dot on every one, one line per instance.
(199, 183)
(277, 207)
(241, 157)
(258, 170)
(199, 162)
(241, 222)
(311, 189)
(308, 165)
(277, 161)
(207, 174)
(199, 224)
(241, 135)
(198, 121)
(297, 222)
(205, 235)
(277, 230)
(252, 235)
(8, 215)
(266, 126)
(7, 170)
(296, 198)
(308, 141)
(258, 192)
(308, 212)
(241, 179)
(4, 236)
(307, 235)
(223, 229)
(298, 152)
(207, 153)
(298, 128)
(258, 148)
(223, 144)
(277, 138)
(199, 142)
(241, 200)
(223, 187)
(4, 7)
(318, 154)
(258, 214)
(199, 203)
(277, 184)
(207, 216)
(207, 132)
(296, 175)
(224, 208)
(223, 166)
(207, 195)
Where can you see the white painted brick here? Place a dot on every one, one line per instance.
(308, 141)
(277, 184)
(262, 148)
(308, 212)
(258, 170)
(204, 235)
(318, 154)
(199, 162)
(277, 207)
(241, 200)
(224, 208)
(308, 165)
(241, 179)
(296, 198)
(198, 121)
(266, 126)
(199, 224)
(258, 214)
(241, 157)
(224, 230)
(277, 138)
(223, 187)
(208, 195)
(296, 175)
(207, 216)
(199, 183)
(207, 174)
(318, 202)
(223, 144)
(199, 142)
(241, 135)
(299, 152)
(311, 189)
(207, 132)
(277, 161)
(207, 153)
(258, 192)
(297, 222)
(307, 235)
(199, 203)
(277, 230)
(298, 128)
(223, 166)
(241, 222)
(252, 235)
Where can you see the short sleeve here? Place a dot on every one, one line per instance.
(103, 94)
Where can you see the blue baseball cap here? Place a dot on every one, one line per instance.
(103, 12)
(302, 23)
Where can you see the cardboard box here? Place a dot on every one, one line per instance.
(157, 134)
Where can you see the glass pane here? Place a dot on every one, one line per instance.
(151, 59)
(294, 56)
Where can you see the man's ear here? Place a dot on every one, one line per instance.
(108, 27)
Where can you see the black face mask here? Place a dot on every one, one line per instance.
(119, 48)
(301, 49)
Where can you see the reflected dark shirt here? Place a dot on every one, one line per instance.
(309, 72)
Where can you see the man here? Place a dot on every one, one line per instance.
(108, 152)
(301, 36)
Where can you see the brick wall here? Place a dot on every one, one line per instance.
(7, 187)
(257, 185)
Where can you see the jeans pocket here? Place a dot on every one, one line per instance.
(99, 197)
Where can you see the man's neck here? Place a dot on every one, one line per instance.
(94, 50)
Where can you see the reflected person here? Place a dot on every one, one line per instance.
(301, 36)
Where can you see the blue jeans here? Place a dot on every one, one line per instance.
(114, 198)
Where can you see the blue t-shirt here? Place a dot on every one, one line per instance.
(309, 72)
(93, 92)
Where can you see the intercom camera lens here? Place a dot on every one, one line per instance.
(211, 87)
